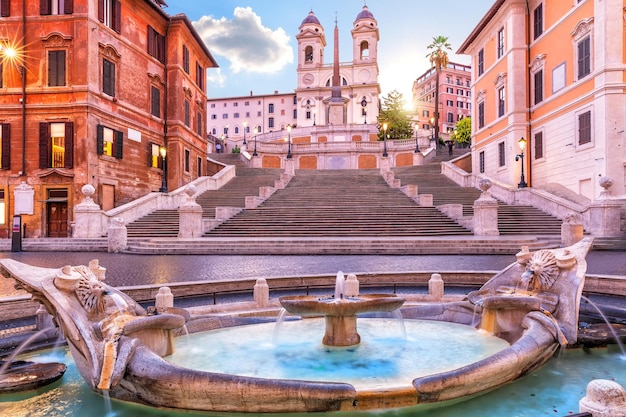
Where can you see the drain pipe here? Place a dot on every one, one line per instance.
(529, 131)
(23, 75)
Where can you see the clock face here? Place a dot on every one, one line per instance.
(308, 78)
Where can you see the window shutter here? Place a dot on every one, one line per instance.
(119, 138)
(100, 139)
(44, 7)
(4, 8)
(69, 145)
(6, 146)
(151, 41)
(45, 155)
(150, 144)
(117, 16)
(68, 8)
(101, 10)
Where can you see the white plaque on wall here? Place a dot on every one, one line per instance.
(24, 199)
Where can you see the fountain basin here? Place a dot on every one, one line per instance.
(306, 305)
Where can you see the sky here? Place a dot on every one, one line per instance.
(255, 46)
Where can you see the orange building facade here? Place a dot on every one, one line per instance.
(553, 73)
(455, 98)
(106, 92)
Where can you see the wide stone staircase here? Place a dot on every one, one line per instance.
(339, 203)
(512, 219)
(164, 223)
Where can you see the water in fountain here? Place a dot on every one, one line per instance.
(340, 283)
(618, 340)
(21, 348)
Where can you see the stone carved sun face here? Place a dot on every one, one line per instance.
(541, 271)
(90, 291)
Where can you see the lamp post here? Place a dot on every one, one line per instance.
(520, 156)
(255, 133)
(432, 133)
(364, 106)
(163, 153)
(245, 124)
(385, 139)
(288, 141)
(417, 145)
(313, 118)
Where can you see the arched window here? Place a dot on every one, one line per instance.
(365, 50)
(308, 54)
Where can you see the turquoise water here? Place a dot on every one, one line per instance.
(554, 390)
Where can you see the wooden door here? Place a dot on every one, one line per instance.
(57, 219)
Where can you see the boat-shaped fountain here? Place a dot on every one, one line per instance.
(119, 347)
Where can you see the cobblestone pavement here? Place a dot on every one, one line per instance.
(128, 269)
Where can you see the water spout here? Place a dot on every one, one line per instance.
(340, 283)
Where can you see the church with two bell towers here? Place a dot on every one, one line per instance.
(338, 93)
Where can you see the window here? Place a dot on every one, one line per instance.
(538, 86)
(459, 104)
(481, 162)
(199, 123)
(501, 43)
(56, 68)
(156, 44)
(270, 122)
(270, 108)
(200, 76)
(110, 13)
(481, 114)
(4, 8)
(538, 149)
(481, 62)
(450, 117)
(584, 57)
(56, 145)
(186, 161)
(308, 54)
(449, 103)
(538, 21)
(501, 101)
(501, 155)
(155, 101)
(154, 159)
(187, 112)
(186, 60)
(450, 90)
(108, 77)
(365, 51)
(584, 128)
(295, 113)
(109, 142)
(459, 92)
(5, 149)
(425, 113)
(236, 116)
(199, 167)
(1, 74)
(54, 7)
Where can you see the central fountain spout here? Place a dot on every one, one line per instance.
(340, 312)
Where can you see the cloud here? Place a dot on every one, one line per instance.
(245, 42)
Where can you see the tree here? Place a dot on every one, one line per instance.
(438, 59)
(396, 117)
(463, 131)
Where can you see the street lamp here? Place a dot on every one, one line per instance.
(163, 153)
(255, 133)
(522, 146)
(432, 132)
(385, 139)
(364, 106)
(288, 141)
(417, 145)
(313, 118)
(244, 131)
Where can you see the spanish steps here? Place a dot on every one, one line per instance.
(342, 205)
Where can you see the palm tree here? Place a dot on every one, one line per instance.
(439, 59)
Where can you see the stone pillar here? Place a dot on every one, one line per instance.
(164, 299)
(435, 287)
(604, 399)
(571, 229)
(261, 293)
(117, 235)
(351, 286)
(190, 215)
(98, 271)
(486, 212)
(290, 167)
(385, 164)
(88, 217)
(604, 212)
